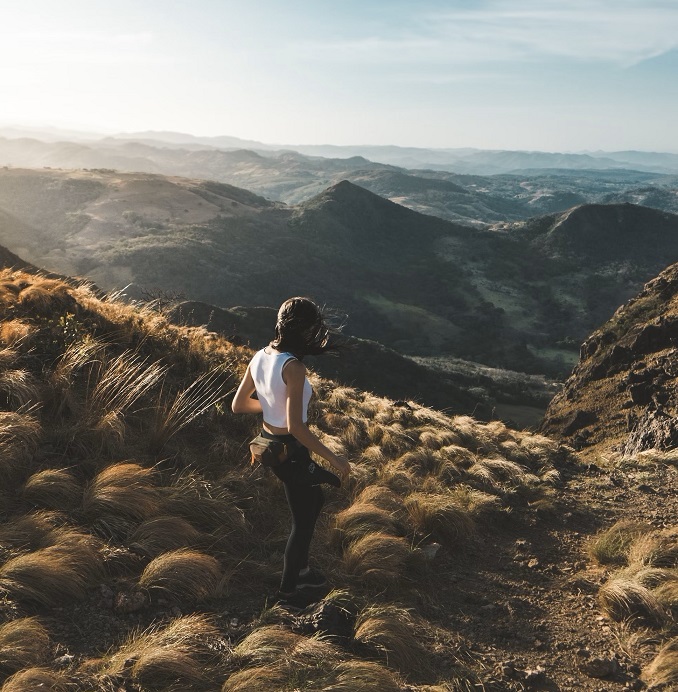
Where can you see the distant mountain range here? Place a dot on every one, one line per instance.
(519, 295)
(293, 177)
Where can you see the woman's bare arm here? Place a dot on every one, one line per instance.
(242, 401)
(294, 375)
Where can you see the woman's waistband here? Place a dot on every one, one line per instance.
(282, 438)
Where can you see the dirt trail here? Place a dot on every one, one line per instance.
(526, 596)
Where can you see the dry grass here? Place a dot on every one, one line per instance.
(611, 547)
(439, 514)
(352, 676)
(53, 489)
(161, 534)
(18, 389)
(657, 549)
(269, 678)
(183, 574)
(23, 643)
(622, 597)
(664, 668)
(392, 633)
(180, 656)
(31, 531)
(53, 575)
(34, 679)
(19, 435)
(362, 518)
(120, 497)
(377, 557)
(207, 390)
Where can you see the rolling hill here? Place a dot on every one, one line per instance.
(519, 295)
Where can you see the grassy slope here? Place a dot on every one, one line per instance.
(115, 510)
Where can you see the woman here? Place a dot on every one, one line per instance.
(278, 376)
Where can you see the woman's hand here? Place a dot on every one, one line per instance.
(342, 466)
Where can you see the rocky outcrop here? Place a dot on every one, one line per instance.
(624, 391)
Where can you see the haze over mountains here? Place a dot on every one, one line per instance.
(499, 186)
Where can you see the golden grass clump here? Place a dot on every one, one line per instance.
(161, 534)
(440, 514)
(33, 679)
(352, 676)
(24, 642)
(19, 434)
(269, 678)
(391, 632)
(14, 332)
(267, 644)
(207, 390)
(184, 574)
(622, 597)
(47, 297)
(53, 489)
(382, 497)
(31, 531)
(377, 557)
(362, 518)
(664, 668)
(120, 497)
(611, 547)
(18, 389)
(178, 656)
(656, 549)
(52, 575)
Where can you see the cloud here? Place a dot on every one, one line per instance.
(617, 32)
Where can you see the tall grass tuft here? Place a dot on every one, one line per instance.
(391, 632)
(656, 549)
(53, 575)
(180, 656)
(351, 676)
(184, 574)
(18, 390)
(269, 678)
(23, 643)
(161, 534)
(53, 489)
(198, 398)
(362, 518)
(377, 558)
(611, 547)
(34, 679)
(19, 434)
(664, 668)
(120, 497)
(622, 597)
(440, 514)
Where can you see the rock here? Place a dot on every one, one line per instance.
(599, 667)
(64, 661)
(577, 420)
(535, 677)
(130, 601)
(430, 551)
(326, 617)
(533, 563)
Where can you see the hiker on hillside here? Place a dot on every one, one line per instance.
(278, 376)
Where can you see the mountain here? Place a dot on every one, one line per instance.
(291, 177)
(520, 296)
(622, 394)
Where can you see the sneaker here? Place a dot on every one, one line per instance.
(294, 601)
(311, 580)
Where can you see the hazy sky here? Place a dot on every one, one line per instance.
(557, 75)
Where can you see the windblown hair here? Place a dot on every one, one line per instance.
(302, 330)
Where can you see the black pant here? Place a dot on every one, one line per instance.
(305, 502)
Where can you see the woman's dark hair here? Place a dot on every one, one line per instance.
(301, 329)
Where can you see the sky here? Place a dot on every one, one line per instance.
(550, 75)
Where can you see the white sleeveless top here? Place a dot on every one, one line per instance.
(266, 370)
